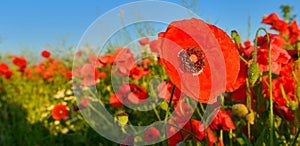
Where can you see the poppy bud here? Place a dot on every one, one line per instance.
(236, 37)
(240, 110)
(123, 118)
(250, 118)
(164, 105)
(253, 73)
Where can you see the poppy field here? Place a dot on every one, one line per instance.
(194, 84)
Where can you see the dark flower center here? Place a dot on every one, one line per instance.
(192, 60)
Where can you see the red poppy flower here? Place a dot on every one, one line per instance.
(154, 45)
(108, 59)
(281, 26)
(222, 121)
(102, 61)
(285, 82)
(144, 41)
(247, 49)
(189, 68)
(151, 134)
(39, 69)
(164, 91)
(20, 62)
(78, 54)
(114, 101)
(144, 63)
(294, 32)
(8, 74)
(131, 94)
(276, 23)
(294, 29)
(239, 95)
(279, 56)
(241, 79)
(60, 112)
(47, 75)
(125, 61)
(28, 73)
(194, 126)
(45, 54)
(284, 112)
(95, 61)
(68, 75)
(128, 141)
(270, 19)
(137, 72)
(5, 70)
(90, 74)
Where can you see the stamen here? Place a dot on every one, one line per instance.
(192, 60)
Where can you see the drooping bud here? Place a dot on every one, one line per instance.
(253, 73)
(236, 38)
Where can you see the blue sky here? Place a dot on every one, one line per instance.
(33, 24)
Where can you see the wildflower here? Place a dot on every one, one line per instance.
(144, 41)
(222, 121)
(154, 45)
(45, 54)
(193, 126)
(5, 70)
(164, 92)
(189, 57)
(20, 62)
(60, 111)
(151, 134)
(131, 94)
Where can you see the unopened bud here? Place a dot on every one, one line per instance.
(240, 110)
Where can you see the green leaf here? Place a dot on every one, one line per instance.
(248, 143)
(261, 137)
(240, 141)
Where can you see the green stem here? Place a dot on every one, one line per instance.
(271, 114)
(169, 105)
(271, 93)
(170, 102)
(230, 136)
(296, 136)
(156, 112)
(248, 95)
(198, 112)
(244, 60)
(201, 106)
(221, 136)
